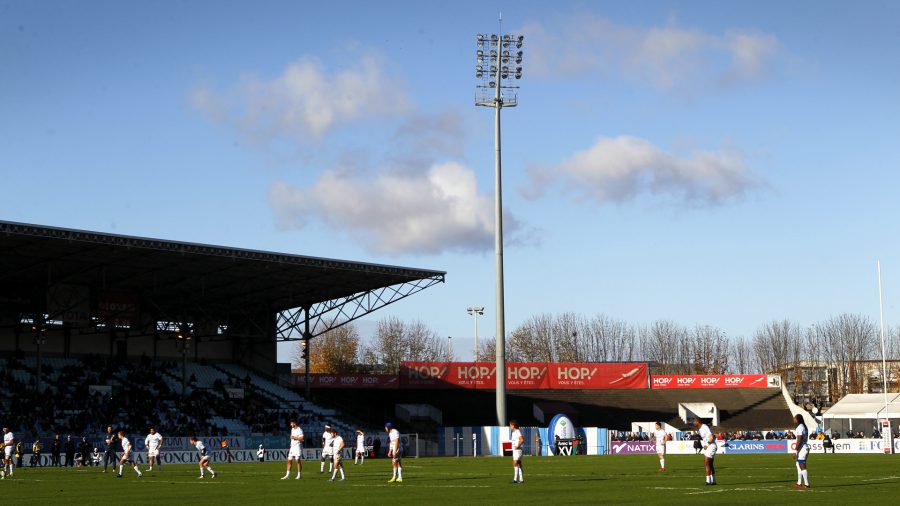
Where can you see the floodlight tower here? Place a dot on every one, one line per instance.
(499, 58)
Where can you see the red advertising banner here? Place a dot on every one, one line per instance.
(530, 375)
(711, 381)
(380, 381)
(599, 376)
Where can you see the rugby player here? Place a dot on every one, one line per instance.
(295, 452)
(204, 456)
(660, 436)
(517, 441)
(395, 452)
(127, 456)
(802, 454)
(708, 441)
(153, 441)
(337, 445)
(9, 444)
(326, 451)
(360, 447)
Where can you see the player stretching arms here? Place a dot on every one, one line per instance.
(802, 451)
(326, 450)
(154, 442)
(204, 456)
(9, 444)
(660, 435)
(295, 452)
(395, 452)
(127, 456)
(708, 441)
(360, 447)
(337, 446)
(517, 441)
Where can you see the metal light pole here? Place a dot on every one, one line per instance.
(499, 57)
(449, 348)
(476, 312)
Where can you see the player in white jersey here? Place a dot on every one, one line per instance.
(360, 454)
(659, 435)
(127, 456)
(337, 447)
(395, 452)
(204, 457)
(9, 444)
(296, 452)
(154, 442)
(515, 436)
(802, 454)
(326, 451)
(708, 441)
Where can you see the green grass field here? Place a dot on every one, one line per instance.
(743, 479)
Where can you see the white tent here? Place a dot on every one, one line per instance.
(861, 412)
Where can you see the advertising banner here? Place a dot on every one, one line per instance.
(762, 446)
(845, 446)
(710, 381)
(386, 381)
(686, 447)
(631, 447)
(521, 375)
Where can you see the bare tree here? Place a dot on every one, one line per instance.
(396, 341)
(666, 345)
(848, 339)
(608, 340)
(742, 353)
(709, 347)
(776, 345)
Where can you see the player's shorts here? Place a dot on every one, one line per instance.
(326, 454)
(338, 459)
(398, 456)
(153, 453)
(127, 460)
(360, 449)
(517, 455)
(8, 451)
(802, 454)
(661, 449)
(710, 451)
(294, 453)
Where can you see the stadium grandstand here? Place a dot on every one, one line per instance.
(101, 328)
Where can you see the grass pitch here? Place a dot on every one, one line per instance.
(743, 479)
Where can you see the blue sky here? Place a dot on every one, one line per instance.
(723, 163)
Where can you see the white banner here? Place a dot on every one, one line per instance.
(686, 447)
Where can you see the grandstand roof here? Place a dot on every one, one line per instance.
(172, 276)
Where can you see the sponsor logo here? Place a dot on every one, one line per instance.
(575, 373)
(709, 380)
(475, 372)
(661, 381)
(427, 372)
(686, 381)
(733, 380)
(525, 373)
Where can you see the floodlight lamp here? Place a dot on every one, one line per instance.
(493, 68)
(479, 52)
(519, 69)
(505, 76)
(518, 76)
(479, 68)
(519, 54)
(506, 37)
(478, 75)
(505, 68)
(492, 84)
(505, 44)
(494, 37)
(505, 53)
(520, 39)
(493, 52)
(519, 60)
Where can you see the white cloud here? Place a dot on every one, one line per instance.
(671, 58)
(305, 102)
(440, 210)
(622, 168)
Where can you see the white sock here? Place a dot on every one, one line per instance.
(805, 474)
(342, 473)
(712, 478)
(330, 467)
(399, 473)
(211, 471)
(322, 467)
(799, 474)
(521, 476)
(395, 473)
(333, 474)
(709, 478)
(362, 458)
(662, 463)
(202, 471)
(515, 474)
(138, 471)
(120, 469)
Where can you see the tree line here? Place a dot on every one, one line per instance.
(839, 343)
